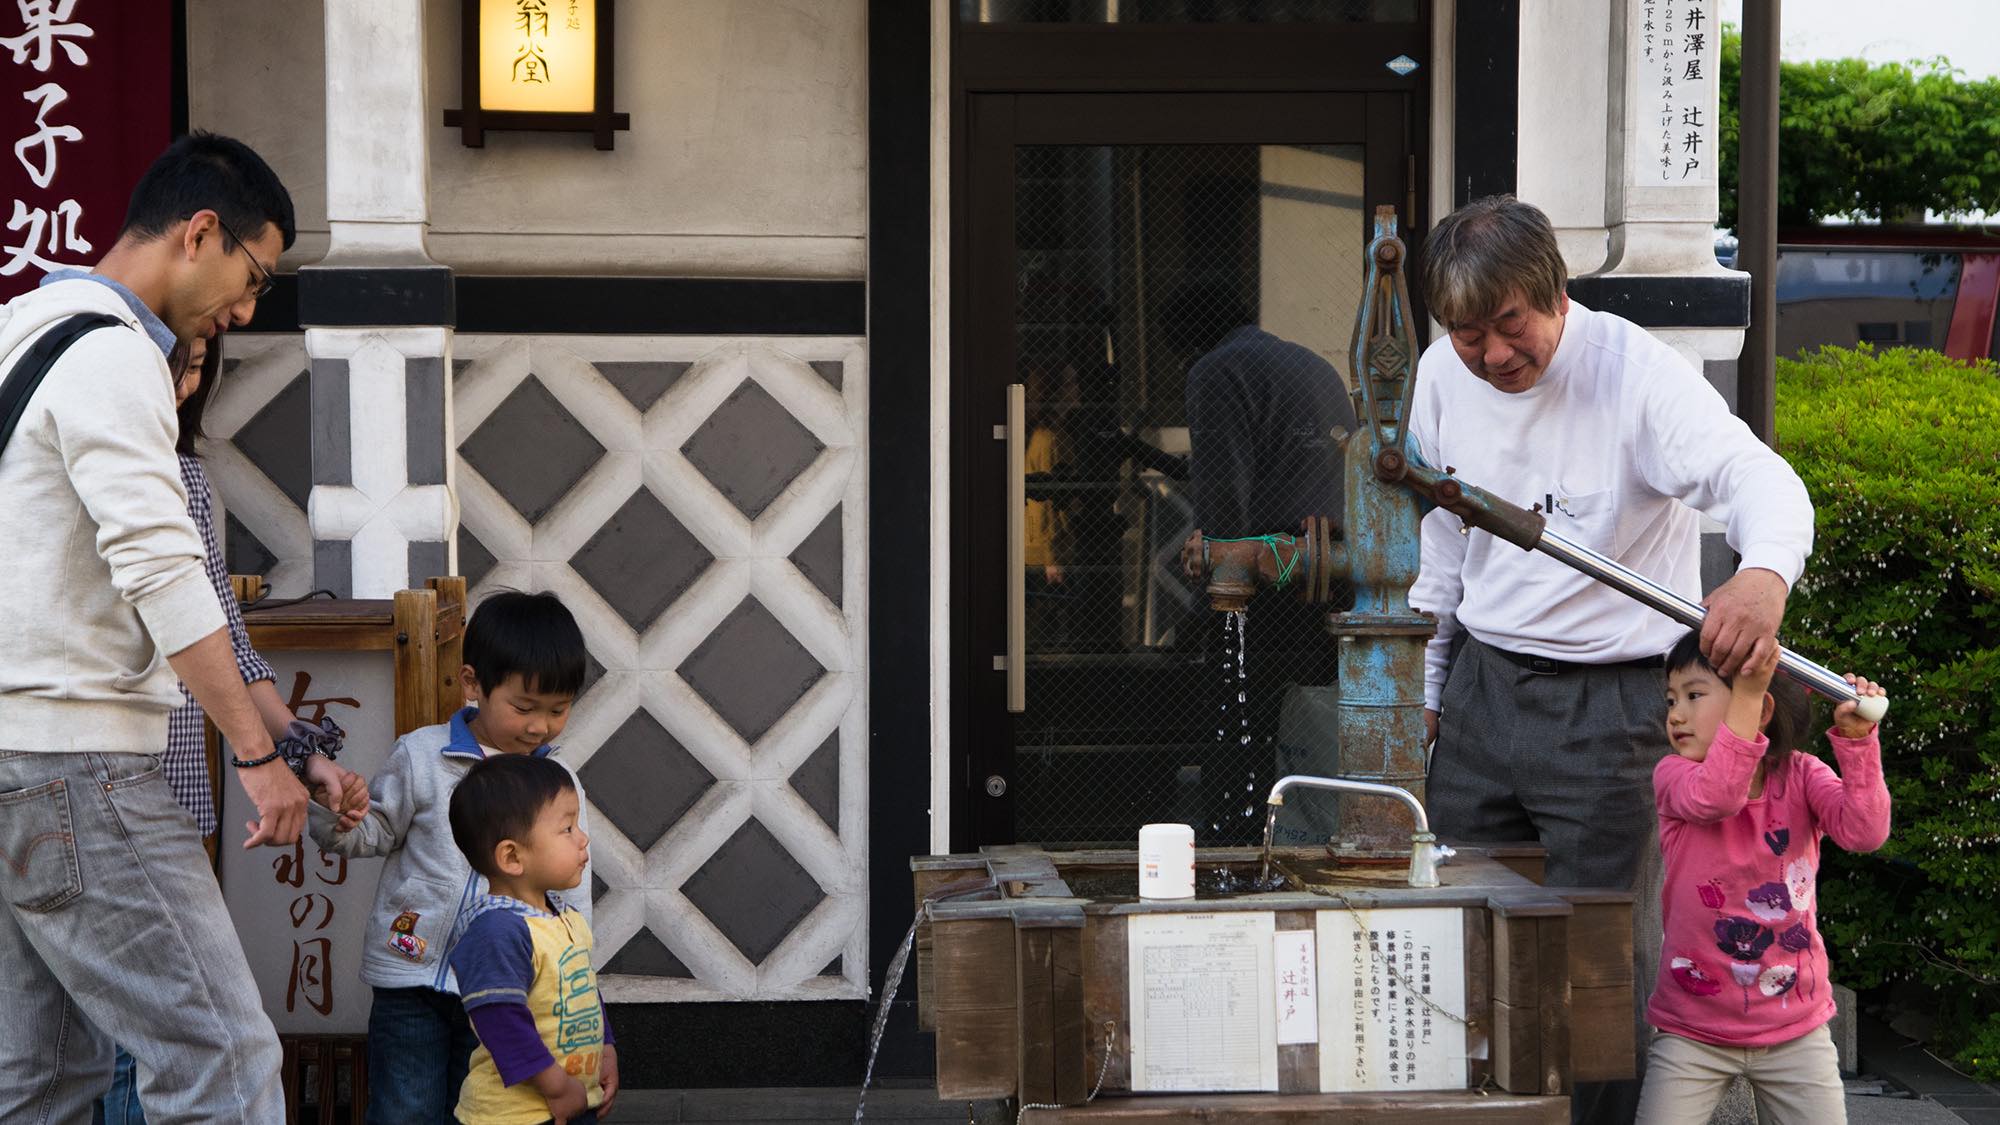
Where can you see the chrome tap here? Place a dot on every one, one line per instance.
(1425, 852)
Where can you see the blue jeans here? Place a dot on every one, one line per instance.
(120, 1104)
(419, 1048)
(112, 928)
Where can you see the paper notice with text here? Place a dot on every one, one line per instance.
(1203, 1010)
(1392, 1000)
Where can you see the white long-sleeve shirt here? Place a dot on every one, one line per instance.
(103, 576)
(1622, 443)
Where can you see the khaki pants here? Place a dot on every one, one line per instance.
(1795, 1083)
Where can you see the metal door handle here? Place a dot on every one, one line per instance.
(1017, 548)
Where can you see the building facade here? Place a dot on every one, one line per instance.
(732, 388)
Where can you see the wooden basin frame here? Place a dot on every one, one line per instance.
(1024, 983)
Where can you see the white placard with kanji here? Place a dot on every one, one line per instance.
(1392, 999)
(302, 914)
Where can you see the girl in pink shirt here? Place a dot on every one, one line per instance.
(1743, 988)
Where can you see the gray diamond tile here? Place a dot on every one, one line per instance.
(643, 780)
(245, 553)
(751, 448)
(474, 560)
(641, 559)
(531, 450)
(754, 891)
(278, 440)
(751, 669)
(642, 383)
(644, 955)
(818, 557)
(818, 781)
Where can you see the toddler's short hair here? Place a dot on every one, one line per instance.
(499, 799)
(529, 635)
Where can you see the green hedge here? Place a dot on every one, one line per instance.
(1901, 452)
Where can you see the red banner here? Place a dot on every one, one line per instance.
(85, 106)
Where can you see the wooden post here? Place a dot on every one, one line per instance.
(450, 641)
(415, 617)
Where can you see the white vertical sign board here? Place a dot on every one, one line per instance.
(302, 914)
(1296, 982)
(1202, 1011)
(1674, 52)
(1392, 999)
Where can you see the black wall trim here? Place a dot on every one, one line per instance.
(1486, 98)
(662, 306)
(1669, 302)
(340, 297)
(899, 578)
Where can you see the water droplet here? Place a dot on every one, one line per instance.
(1247, 810)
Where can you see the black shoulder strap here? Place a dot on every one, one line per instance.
(27, 374)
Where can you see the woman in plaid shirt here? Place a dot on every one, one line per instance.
(185, 761)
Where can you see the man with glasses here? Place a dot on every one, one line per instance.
(113, 925)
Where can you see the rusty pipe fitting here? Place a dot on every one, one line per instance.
(1235, 569)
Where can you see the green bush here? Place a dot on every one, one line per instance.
(1901, 452)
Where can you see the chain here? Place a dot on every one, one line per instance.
(1103, 1068)
(1361, 916)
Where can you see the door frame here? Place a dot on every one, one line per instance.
(1121, 84)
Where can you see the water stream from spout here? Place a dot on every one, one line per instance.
(891, 980)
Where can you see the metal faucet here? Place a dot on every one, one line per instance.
(1425, 851)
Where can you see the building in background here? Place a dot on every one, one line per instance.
(731, 385)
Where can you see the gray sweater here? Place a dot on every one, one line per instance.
(428, 890)
(103, 577)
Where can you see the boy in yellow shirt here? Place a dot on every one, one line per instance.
(545, 1052)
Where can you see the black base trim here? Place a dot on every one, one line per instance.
(690, 1046)
(340, 297)
(1668, 302)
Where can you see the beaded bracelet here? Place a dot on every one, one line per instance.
(243, 765)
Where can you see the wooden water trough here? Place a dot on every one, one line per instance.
(1023, 974)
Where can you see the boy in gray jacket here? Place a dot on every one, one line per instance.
(524, 664)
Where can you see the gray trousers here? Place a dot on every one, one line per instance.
(1566, 760)
(112, 925)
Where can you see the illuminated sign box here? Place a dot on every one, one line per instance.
(537, 64)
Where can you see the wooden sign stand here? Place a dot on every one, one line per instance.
(424, 633)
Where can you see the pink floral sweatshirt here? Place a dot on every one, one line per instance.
(1741, 961)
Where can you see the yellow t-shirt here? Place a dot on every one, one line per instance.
(513, 954)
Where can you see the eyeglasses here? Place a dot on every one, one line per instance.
(264, 280)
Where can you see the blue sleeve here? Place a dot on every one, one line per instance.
(508, 1033)
(495, 963)
(495, 960)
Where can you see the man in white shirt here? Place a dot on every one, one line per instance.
(1543, 689)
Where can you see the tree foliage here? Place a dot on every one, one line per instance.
(1899, 451)
(1870, 140)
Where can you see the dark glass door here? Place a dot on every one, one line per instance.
(1157, 303)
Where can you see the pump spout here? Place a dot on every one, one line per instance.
(1425, 852)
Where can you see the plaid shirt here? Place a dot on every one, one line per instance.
(186, 759)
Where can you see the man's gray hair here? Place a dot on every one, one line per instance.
(1487, 250)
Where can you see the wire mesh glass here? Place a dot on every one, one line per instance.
(1182, 320)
